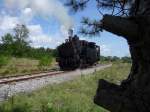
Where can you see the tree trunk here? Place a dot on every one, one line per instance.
(133, 95)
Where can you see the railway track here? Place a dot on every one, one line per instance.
(10, 79)
(25, 74)
(10, 86)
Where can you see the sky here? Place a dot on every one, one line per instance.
(48, 22)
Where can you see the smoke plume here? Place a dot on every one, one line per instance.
(43, 8)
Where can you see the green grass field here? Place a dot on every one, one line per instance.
(20, 66)
(73, 96)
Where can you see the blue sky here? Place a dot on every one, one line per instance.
(48, 21)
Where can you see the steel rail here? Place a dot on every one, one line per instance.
(27, 77)
(26, 74)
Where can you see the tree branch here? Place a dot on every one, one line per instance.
(120, 26)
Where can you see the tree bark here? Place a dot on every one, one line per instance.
(133, 94)
(120, 26)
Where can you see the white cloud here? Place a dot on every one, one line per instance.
(44, 8)
(40, 41)
(26, 15)
(105, 50)
(8, 22)
(38, 38)
(35, 29)
(27, 11)
(14, 3)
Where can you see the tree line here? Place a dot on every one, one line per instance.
(125, 59)
(17, 44)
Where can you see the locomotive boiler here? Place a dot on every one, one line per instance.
(75, 53)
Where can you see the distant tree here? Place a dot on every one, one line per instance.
(21, 40)
(126, 59)
(109, 58)
(6, 47)
(115, 58)
(21, 34)
(17, 45)
(7, 39)
(55, 53)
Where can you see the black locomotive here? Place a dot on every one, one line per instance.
(75, 53)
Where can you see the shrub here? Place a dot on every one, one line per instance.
(46, 61)
(3, 60)
(126, 59)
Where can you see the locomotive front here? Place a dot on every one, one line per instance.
(68, 54)
(75, 53)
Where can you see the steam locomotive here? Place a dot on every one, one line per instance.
(75, 53)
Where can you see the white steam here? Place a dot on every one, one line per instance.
(44, 8)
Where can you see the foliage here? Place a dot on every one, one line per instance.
(112, 7)
(126, 59)
(110, 58)
(55, 53)
(45, 61)
(3, 60)
(7, 39)
(72, 96)
(21, 35)
(118, 7)
(15, 45)
(15, 106)
(19, 46)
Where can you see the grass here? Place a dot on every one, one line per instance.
(19, 66)
(3, 60)
(72, 96)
